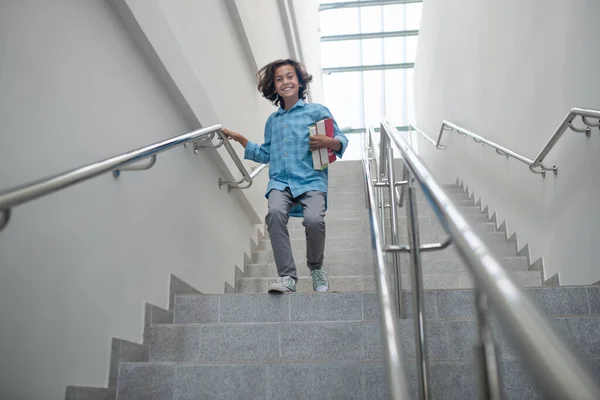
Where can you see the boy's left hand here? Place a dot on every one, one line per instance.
(324, 142)
(320, 142)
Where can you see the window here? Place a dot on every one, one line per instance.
(343, 98)
(384, 88)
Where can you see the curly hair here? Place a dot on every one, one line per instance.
(266, 80)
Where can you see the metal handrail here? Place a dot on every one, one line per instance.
(425, 136)
(392, 349)
(15, 196)
(550, 362)
(258, 170)
(238, 163)
(537, 162)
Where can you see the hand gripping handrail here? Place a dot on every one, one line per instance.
(554, 368)
(21, 194)
(536, 165)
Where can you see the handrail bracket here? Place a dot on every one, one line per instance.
(424, 248)
(542, 169)
(232, 184)
(588, 125)
(207, 143)
(117, 172)
(4, 218)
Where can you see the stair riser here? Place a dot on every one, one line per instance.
(304, 285)
(362, 223)
(367, 282)
(288, 342)
(429, 266)
(357, 196)
(471, 213)
(423, 208)
(339, 256)
(364, 242)
(332, 269)
(301, 307)
(450, 380)
(358, 204)
(365, 254)
(362, 229)
(340, 270)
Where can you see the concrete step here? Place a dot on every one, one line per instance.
(356, 199)
(266, 256)
(451, 254)
(362, 228)
(354, 221)
(360, 221)
(472, 213)
(332, 269)
(364, 254)
(347, 283)
(453, 304)
(366, 268)
(304, 284)
(357, 202)
(352, 380)
(343, 340)
(342, 188)
(357, 205)
(364, 242)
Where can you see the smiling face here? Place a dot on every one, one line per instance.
(287, 85)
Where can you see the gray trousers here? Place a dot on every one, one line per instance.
(313, 205)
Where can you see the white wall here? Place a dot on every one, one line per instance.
(220, 66)
(200, 48)
(307, 19)
(510, 71)
(76, 267)
(265, 28)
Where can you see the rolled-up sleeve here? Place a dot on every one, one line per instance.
(260, 153)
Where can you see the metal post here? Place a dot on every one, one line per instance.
(485, 353)
(394, 224)
(404, 178)
(418, 302)
(369, 158)
(381, 174)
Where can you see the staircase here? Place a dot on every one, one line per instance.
(251, 345)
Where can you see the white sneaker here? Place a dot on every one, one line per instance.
(285, 284)
(319, 279)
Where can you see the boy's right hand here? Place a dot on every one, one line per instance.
(231, 134)
(235, 136)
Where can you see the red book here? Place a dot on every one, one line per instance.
(325, 127)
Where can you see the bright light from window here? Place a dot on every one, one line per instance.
(363, 98)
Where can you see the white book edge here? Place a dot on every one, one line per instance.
(316, 156)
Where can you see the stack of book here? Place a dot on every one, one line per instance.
(322, 157)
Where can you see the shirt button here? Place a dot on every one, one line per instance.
(286, 154)
(285, 140)
(285, 126)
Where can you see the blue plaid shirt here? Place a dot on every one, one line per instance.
(286, 147)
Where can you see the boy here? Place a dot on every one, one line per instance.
(292, 178)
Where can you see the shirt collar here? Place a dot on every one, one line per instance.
(299, 103)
